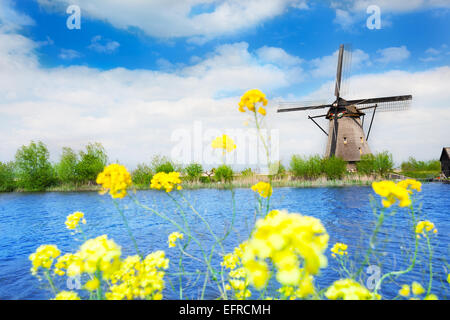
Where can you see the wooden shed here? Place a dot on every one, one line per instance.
(445, 162)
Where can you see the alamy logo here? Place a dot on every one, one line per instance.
(74, 20)
(374, 20)
(375, 273)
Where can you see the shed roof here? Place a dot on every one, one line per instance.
(445, 153)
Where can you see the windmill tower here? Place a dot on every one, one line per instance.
(346, 137)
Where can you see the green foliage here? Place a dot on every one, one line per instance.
(204, 179)
(383, 163)
(223, 173)
(246, 173)
(33, 168)
(414, 165)
(163, 164)
(66, 167)
(366, 165)
(193, 172)
(334, 168)
(278, 170)
(7, 182)
(91, 163)
(142, 175)
(421, 174)
(307, 168)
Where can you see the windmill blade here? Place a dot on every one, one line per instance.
(286, 106)
(346, 70)
(385, 104)
(337, 89)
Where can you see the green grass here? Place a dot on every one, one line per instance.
(430, 174)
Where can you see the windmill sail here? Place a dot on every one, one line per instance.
(385, 104)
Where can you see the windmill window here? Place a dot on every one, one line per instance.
(362, 140)
(345, 140)
(360, 151)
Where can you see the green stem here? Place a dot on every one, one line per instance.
(50, 281)
(125, 222)
(430, 257)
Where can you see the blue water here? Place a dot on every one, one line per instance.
(28, 220)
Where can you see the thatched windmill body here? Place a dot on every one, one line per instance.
(346, 137)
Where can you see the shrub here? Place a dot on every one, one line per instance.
(383, 163)
(246, 173)
(334, 168)
(92, 161)
(7, 182)
(414, 165)
(366, 165)
(33, 168)
(193, 171)
(162, 164)
(142, 175)
(307, 168)
(66, 167)
(205, 179)
(224, 173)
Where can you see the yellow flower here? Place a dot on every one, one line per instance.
(223, 142)
(339, 248)
(262, 111)
(404, 291)
(423, 227)
(448, 278)
(43, 257)
(230, 261)
(166, 180)
(98, 254)
(139, 279)
(74, 219)
(70, 262)
(431, 297)
(250, 98)
(417, 288)
(391, 192)
(285, 238)
(410, 184)
(92, 285)
(173, 237)
(116, 179)
(348, 289)
(67, 295)
(263, 188)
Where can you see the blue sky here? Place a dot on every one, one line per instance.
(146, 51)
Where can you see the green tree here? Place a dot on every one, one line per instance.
(34, 170)
(66, 168)
(383, 163)
(194, 171)
(163, 164)
(91, 163)
(142, 175)
(334, 168)
(366, 165)
(7, 182)
(307, 168)
(223, 173)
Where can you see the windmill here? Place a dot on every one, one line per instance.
(346, 137)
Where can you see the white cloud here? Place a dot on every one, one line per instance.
(103, 45)
(69, 54)
(277, 56)
(166, 19)
(11, 19)
(393, 54)
(325, 67)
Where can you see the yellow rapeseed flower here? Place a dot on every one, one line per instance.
(391, 192)
(285, 238)
(44, 257)
(223, 142)
(417, 288)
(431, 297)
(116, 179)
(424, 227)
(348, 289)
(339, 248)
(448, 278)
(250, 98)
(167, 181)
(139, 279)
(92, 284)
(67, 295)
(263, 188)
(74, 219)
(173, 237)
(404, 291)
